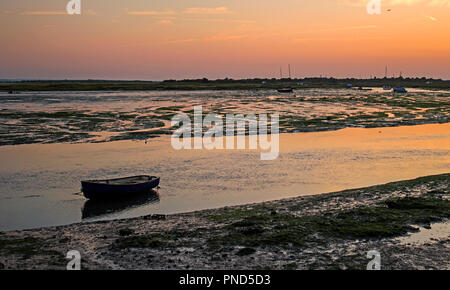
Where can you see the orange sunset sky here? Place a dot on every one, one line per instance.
(177, 39)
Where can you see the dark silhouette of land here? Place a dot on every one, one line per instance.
(219, 84)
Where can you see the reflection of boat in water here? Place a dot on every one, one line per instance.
(95, 208)
(118, 188)
(286, 90)
(364, 89)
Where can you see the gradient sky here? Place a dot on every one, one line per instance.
(176, 39)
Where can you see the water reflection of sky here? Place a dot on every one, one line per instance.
(39, 181)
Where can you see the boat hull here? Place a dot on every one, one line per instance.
(285, 90)
(400, 90)
(107, 189)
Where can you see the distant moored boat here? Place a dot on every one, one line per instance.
(285, 90)
(400, 90)
(119, 187)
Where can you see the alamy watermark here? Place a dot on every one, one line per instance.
(191, 135)
(75, 260)
(375, 263)
(374, 7)
(74, 7)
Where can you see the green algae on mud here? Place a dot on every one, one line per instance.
(30, 247)
(328, 231)
(380, 221)
(389, 219)
(46, 117)
(245, 230)
(263, 226)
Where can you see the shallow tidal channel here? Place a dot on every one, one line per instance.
(40, 181)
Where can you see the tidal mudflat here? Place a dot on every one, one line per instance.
(331, 140)
(55, 117)
(329, 231)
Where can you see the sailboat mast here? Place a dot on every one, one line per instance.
(289, 71)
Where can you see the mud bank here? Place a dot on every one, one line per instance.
(328, 231)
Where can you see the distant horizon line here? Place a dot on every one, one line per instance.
(217, 79)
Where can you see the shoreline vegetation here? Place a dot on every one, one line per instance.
(327, 231)
(219, 84)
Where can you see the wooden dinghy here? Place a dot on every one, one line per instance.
(119, 187)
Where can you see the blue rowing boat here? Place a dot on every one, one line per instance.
(119, 187)
(400, 90)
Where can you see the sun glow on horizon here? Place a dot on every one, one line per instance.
(217, 39)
